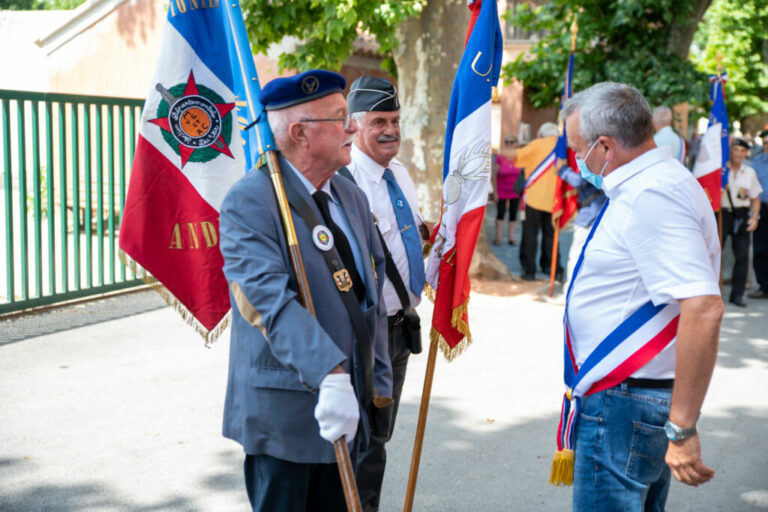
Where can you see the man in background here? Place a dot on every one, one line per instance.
(374, 105)
(760, 235)
(665, 136)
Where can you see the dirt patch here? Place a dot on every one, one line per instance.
(506, 287)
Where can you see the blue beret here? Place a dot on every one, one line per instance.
(307, 86)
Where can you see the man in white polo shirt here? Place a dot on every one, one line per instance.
(642, 313)
(741, 213)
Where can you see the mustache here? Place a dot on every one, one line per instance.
(388, 138)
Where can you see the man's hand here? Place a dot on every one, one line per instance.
(752, 223)
(684, 460)
(337, 411)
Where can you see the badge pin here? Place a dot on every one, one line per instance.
(400, 203)
(322, 238)
(342, 279)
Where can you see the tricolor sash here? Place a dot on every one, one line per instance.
(629, 347)
(540, 169)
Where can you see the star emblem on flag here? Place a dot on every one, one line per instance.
(195, 121)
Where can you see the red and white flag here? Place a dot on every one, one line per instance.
(189, 153)
(466, 174)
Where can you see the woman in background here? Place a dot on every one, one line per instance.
(503, 176)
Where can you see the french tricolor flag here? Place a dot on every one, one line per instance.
(190, 150)
(466, 175)
(713, 153)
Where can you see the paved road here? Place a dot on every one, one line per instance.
(116, 406)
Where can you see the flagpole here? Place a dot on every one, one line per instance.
(269, 148)
(553, 264)
(420, 428)
(719, 60)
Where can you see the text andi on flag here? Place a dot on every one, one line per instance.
(190, 150)
(466, 174)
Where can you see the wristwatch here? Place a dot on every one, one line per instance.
(677, 433)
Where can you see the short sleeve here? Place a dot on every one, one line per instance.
(668, 243)
(755, 189)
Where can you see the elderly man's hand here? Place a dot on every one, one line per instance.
(337, 411)
(684, 460)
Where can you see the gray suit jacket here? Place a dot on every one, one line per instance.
(279, 353)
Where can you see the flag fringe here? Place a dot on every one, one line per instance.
(209, 337)
(451, 353)
(430, 293)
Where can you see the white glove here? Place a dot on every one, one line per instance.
(337, 411)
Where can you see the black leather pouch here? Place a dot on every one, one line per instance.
(412, 331)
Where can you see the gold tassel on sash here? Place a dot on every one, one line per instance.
(562, 468)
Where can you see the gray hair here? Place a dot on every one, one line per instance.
(614, 110)
(547, 130)
(358, 116)
(662, 116)
(280, 120)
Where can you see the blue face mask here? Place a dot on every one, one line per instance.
(595, 179)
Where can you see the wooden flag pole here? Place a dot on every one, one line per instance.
(553, 264)
(343, 460)
(719, 60)
(420, 427)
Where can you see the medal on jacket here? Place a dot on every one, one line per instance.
(342, 280)
(322, 238)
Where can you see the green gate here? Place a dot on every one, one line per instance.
(64, 180)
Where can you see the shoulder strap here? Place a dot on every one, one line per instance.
(389, 268)
(332, 259)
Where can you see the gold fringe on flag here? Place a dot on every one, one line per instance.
(209, 337)
(562, 468)
(457, 322)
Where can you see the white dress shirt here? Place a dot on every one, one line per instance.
(369, 176)
(656, 241)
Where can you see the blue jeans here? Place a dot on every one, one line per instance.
(620, 449)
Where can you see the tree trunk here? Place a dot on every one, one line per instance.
(683, 29)
(427, 59)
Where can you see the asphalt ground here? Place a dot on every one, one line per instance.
(115, 405)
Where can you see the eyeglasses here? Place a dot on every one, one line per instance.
(346, 120)
(509, 142)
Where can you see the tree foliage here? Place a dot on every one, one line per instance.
(737, 31)
(624, 41)
(325, 29)
(34, 5)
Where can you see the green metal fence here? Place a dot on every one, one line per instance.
(65, 164)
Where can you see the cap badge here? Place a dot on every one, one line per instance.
(310, 85)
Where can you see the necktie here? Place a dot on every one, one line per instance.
(342, 244)
(408, 232)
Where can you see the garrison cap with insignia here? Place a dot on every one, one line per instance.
(368, 94)
(307, 86)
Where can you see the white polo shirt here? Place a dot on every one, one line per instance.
(656, 241)
(743, 185)
(369, 176)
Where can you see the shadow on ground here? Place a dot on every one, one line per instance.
(62, 318)
(493, 468)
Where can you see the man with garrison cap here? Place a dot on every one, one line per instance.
(374, 105)
(298, 382)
